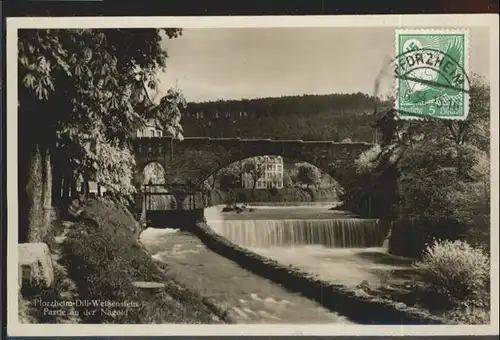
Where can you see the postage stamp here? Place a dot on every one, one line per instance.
(431, 70)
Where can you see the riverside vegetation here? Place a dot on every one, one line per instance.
(431, 178)
(287, 195)
(99, 259)
(82, 94)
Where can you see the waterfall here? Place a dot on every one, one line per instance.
(335, 233)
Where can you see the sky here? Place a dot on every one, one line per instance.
(235, 63)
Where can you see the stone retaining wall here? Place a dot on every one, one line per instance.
(350, 303)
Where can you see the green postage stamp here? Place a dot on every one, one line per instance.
(431, 70)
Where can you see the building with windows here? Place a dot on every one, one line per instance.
(272, 176)
(150, 130)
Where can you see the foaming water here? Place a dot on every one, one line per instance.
(338, 233)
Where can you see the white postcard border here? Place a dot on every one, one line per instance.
(14, 328)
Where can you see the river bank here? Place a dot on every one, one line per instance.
(315, 246)
(284, 196)
(101, 265)
(312, 247)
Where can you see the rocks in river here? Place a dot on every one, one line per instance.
(237, 209)
(337, 206)
(364, 285)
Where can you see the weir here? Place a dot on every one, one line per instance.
(335, 233)
(333, 230)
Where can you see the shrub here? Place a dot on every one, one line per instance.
(457, 271)
(469, 316)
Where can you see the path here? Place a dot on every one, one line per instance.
(250, 298)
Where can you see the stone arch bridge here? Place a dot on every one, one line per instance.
(194, 159)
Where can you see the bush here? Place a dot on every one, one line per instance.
(469, 316)
(457, 271)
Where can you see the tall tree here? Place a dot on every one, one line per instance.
(256, 167)
(82, 93)
(230, 177)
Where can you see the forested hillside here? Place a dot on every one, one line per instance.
(308, 117)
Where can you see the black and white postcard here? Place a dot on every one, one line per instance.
(252, 175)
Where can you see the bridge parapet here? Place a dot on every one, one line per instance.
(195, 158)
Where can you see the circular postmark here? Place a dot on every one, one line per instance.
(427, 80)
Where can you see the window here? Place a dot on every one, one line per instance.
(158, 133)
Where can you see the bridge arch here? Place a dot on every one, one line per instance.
(152, 172)
(193, 160)
(285, 170)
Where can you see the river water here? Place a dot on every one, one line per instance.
(332, 245)
(268, 226)
(247, 297)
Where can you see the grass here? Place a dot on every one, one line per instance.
(415, 294)
(62, 291)
(105, 257)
